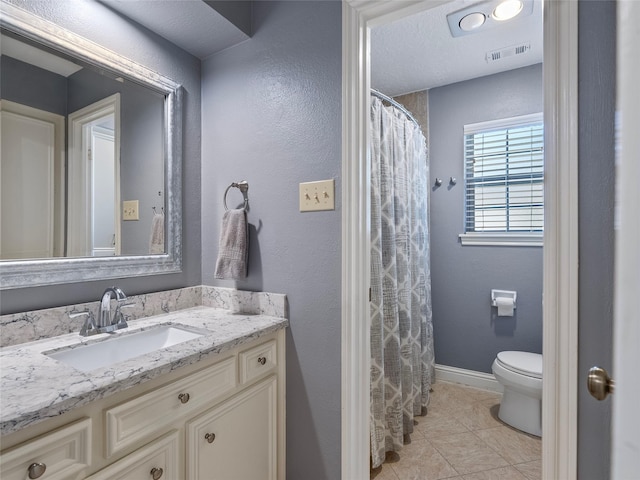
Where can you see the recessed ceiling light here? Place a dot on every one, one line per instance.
(507, 10)
(472, 21)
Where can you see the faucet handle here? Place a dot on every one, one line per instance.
(89, 326)
(124, 305)
(118, 318)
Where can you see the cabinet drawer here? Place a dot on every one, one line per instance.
(258, 361)
(62, 454)
(139, 419)
(157, 460)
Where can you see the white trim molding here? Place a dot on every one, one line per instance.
(560, 290)
(469, 378)
(502, 239)
(355, 260)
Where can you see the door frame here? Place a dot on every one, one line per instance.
(560, 289)
(79, 211)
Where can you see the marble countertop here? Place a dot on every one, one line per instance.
(35, 387)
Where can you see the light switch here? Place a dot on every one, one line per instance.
(130, 210)
(315, 196)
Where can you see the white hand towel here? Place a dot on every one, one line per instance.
(233, 255)
(156, 239)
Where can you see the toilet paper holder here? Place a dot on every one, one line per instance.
(495, 294)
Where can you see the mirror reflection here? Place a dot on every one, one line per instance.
(82, 160)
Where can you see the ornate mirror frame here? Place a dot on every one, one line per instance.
(31, 273)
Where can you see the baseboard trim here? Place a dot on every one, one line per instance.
(470, 378)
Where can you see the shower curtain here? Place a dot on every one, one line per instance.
(402, 359)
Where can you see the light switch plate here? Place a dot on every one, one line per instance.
(130, 210)
(316, 196)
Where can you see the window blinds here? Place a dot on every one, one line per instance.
(504, 173)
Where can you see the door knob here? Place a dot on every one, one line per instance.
(599, 383)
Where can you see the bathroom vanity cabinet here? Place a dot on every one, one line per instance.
(220, 418)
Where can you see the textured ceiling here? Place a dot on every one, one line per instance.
(412, 54)
(419, 52)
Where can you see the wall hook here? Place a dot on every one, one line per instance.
(438, 182)
(452, 180)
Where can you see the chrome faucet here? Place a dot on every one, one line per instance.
(105, 319)
(106, 323)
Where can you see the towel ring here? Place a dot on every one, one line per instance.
(243, 186)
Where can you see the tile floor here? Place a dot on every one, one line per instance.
(462, 438)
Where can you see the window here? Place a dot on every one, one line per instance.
(504, 177)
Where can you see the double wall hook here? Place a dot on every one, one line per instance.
(452, 181)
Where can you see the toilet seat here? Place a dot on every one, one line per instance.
(523, 363)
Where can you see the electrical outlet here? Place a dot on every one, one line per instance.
(315, 196)
(130, 210)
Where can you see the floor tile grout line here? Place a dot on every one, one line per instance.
(491, 448)
(455, 391)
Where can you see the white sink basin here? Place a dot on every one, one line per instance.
(123, 347)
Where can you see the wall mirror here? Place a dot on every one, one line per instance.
(91, 159)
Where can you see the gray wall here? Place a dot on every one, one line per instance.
(271, 110)
(596, 184)
(35, 87)
(467, 334)
(98, 23)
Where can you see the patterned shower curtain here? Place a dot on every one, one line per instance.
(402, 359)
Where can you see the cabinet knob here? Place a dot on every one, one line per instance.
(210, 437)
(262, 360)
(156, 473)
(184, 397)
(36, 470)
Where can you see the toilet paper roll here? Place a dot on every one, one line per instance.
(505, 306)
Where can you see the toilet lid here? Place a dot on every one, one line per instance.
(525, 363)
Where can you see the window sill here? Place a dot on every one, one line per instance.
(502, 239)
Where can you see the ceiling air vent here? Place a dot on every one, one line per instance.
(507, 52)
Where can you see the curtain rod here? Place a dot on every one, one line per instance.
(384, 97)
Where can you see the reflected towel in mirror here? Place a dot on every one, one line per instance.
(156, 240)
(233, 254)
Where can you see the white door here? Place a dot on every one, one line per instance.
(625, 444)
(27, 172)
(103, 192)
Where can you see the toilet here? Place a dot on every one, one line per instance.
(520, 373)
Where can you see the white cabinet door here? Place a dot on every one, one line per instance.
(238, 439)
